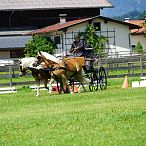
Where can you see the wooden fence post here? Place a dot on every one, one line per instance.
(129, 65)
(141, 65)
(10, 75)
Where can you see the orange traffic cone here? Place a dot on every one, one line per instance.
(76, 90)
(125, 83)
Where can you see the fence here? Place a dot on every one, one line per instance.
(133, 65)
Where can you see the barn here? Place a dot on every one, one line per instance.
(20, 16)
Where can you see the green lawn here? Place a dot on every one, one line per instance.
(114, 117)
(17, 79)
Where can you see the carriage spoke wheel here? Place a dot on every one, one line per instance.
(93, 85)
(102, 78)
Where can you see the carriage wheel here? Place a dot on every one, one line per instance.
(102, 78)
(93, 85)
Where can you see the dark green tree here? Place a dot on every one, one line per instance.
(138, 48)
(39, 43)
(144, 25)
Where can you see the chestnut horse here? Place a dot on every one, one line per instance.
(39, 75)
(63, 69)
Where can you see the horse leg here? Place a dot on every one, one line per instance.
(67, 88)
(61, 81)
(81, 80)
(38, 87)
(50, 85)
(45, 83)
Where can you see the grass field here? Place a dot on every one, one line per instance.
(114, 117)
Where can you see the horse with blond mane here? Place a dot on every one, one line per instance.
(64, 69)
(39, 75)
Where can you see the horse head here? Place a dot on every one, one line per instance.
(24, 65)
(48, 59)
(38, 60)
(22, 70)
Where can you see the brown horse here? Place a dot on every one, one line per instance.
(64, 69)
(39, 75)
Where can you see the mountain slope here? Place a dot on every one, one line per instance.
(122, 7)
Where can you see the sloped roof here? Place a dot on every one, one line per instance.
(60, 26)
(10, 42)
(52, 4)
(140, 23)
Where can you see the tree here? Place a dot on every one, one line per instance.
(143, 16)
(95, 41)
(138, 48)
(39, 43)
(144, 25)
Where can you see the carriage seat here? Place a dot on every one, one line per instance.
(89, 49)
(88, 52)
(89, 63)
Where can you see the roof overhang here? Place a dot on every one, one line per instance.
(13, 42)
(14, 5)
(131, 26)
(57, 27)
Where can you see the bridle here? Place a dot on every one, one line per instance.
(22, 71)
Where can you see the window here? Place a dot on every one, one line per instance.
(16, 54)
(133, 47)
(57, 39)
(97, 26)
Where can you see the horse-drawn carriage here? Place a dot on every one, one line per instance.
(96, 75)
(74, 66)
(74, 69)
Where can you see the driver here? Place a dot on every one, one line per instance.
(77, 47)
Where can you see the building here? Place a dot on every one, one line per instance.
(138, 35)
(20, 17)
(45, 12)
(117, 32)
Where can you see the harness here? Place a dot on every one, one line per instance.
(74, 72)
(65, 68)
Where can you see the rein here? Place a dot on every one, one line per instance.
(65, 68)
(57, 68)
(60, 68)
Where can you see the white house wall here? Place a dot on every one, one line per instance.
(140, 38)
(74, 29)
(69, 36)
(121, 34)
